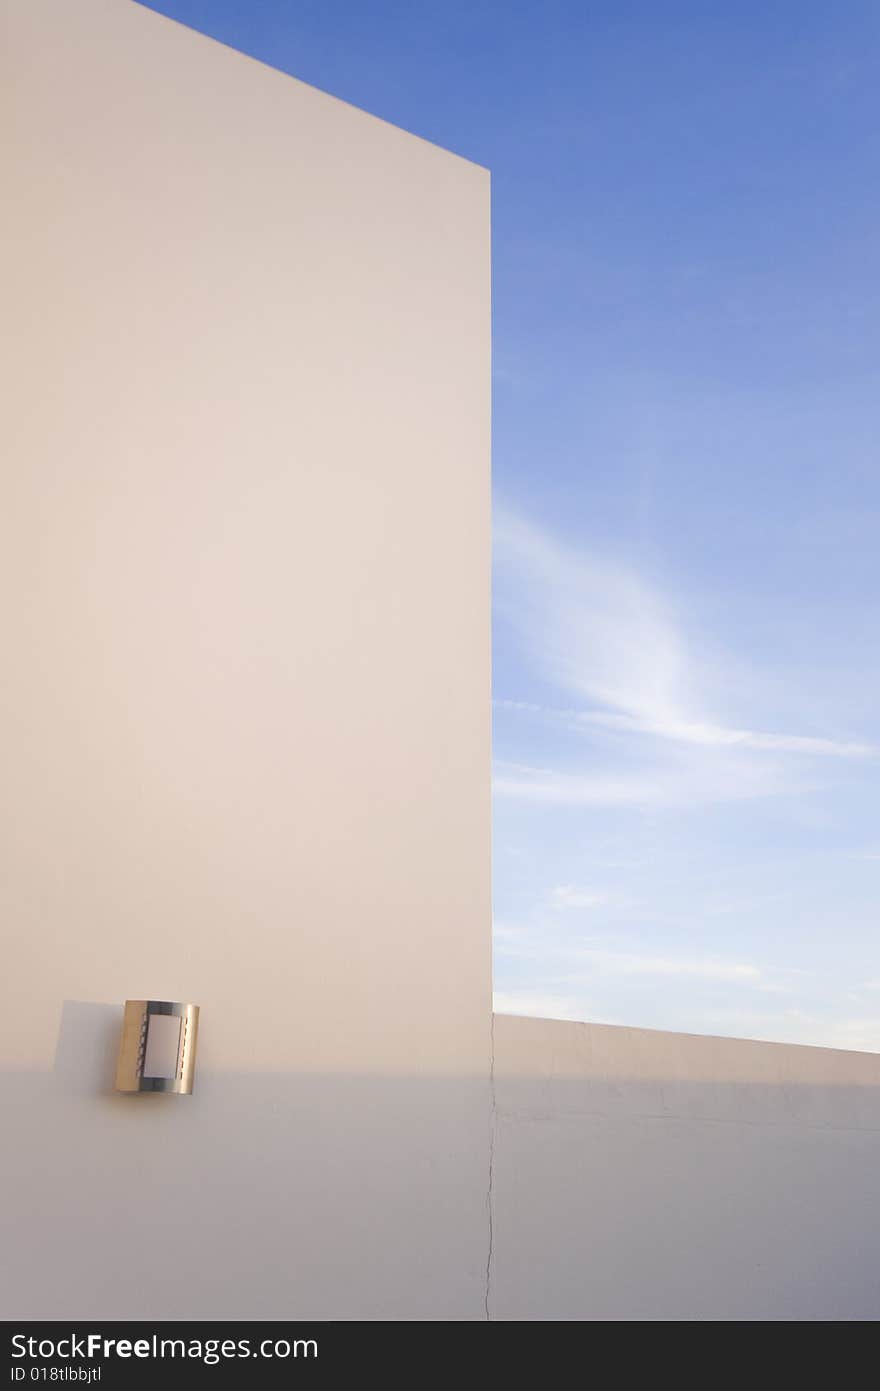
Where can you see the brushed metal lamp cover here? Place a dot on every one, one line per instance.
(157, 1050)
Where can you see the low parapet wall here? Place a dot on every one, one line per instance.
(643, 1175)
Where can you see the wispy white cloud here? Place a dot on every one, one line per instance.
(685, 784)
(586, 980)
(573, 896)
(644, 713)
(720, 736)
(538, 1004)
(549, 785)
(600, 630)
(595, 626)
(582, 958)
(861, 1035)
(784, 1026)
(636, 964)
(702, 733)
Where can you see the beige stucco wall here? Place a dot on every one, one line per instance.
(644, 1175)
(245, 701)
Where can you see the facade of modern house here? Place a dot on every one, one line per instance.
(246, 534)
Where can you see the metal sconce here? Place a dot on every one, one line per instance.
(157, 1051)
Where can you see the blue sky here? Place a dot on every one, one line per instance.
(686, 231)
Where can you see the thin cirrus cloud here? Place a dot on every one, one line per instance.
(717, 736)
(594, 627)
(689, 785)
(629, 718)
(636, 964)
(597, 630)
(573, 896)
(583, 962)
(539, 1004)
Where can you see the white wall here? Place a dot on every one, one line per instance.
(245, 705)
(643, 1175)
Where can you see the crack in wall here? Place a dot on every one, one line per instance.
(489, 1194)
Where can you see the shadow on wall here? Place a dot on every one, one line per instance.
(642, 1175)
(85, 1054)
(262, 1195)
(615, 1195)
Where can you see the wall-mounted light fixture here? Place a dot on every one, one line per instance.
(157, 1051)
